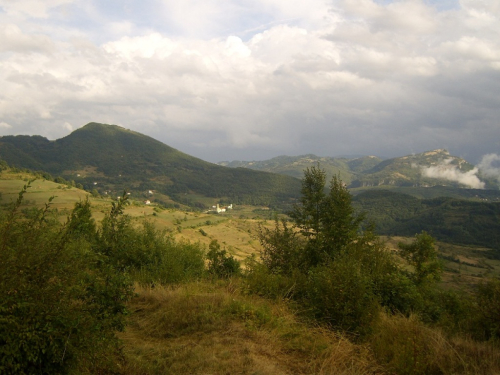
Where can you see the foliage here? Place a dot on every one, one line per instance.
(61, 301)
(486, 320)
(150, 255)
(281, 248)
(340, 294)
(64, 288)
(340, 274)
(220, 263)
(451, 220)
(327, 221)
(423, 256)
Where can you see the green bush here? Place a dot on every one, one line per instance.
(63, 288)
(221, 264)
(61, 302)
(151, 256)
(340, 294)
(485, 323)
(260, 280)
(423, 256)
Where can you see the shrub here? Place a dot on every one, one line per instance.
(423, 256)
(405, 345)
(151, 256)
(486, 320)
(61, 302)
(340, 294)
(220, 263)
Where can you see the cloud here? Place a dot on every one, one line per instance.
(490, 166)
(447, 171)
(31, 8)
(14, 40)
(4, 125)
(68, 126)
(261, 78)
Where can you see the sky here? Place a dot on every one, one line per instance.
(251, 80)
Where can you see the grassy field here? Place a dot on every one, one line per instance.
(202, 328)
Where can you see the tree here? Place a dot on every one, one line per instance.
(341, 225)
(340, 274)
(326, 220)
(423, 256)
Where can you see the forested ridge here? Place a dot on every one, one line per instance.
(448, 219)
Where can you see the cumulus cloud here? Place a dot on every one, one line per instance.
(12, 39)
(261, 78)
(450, 172)
(68, 126)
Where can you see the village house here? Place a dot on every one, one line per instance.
(219, 209)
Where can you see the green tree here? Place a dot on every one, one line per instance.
(327, 220)
(339, 273)
(341, 225)
(423, 256)
(281, 247)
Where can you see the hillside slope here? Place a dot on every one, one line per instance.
(111, 158)
(451, 220)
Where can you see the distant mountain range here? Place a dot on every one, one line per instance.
(432, 168)
(110, 158)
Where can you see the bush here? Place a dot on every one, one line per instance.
(486, 320)
(260, 280)
(405, 345)
(151, 256)
(61, 302)
(220, 263)
(340, 294)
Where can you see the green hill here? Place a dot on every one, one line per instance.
(111, 158)
(369, 172)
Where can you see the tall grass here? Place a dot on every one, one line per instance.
(212, 328)
(404, 345)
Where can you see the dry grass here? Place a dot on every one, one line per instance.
(212, 328)
(407, 346)
(203, 328)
